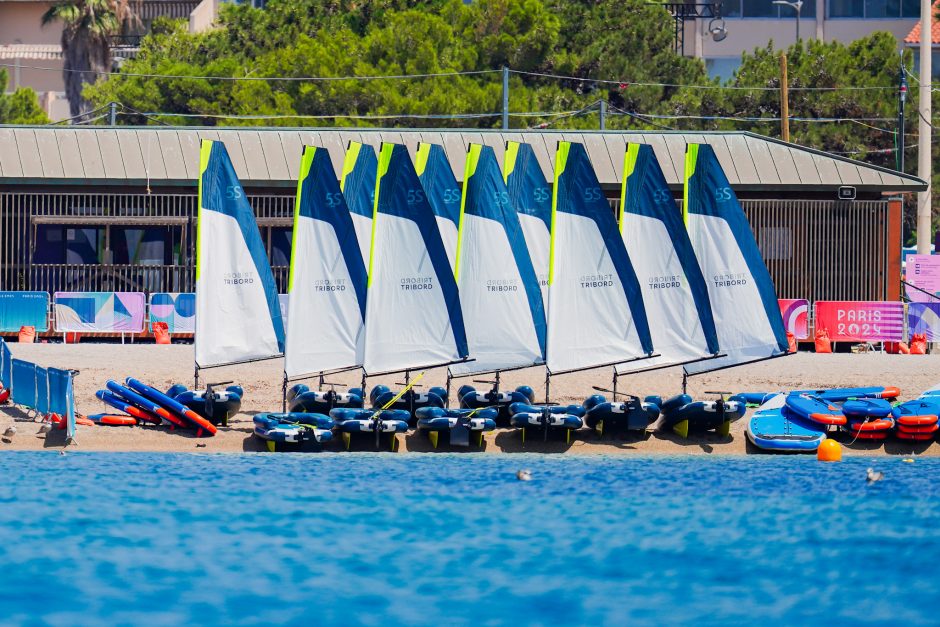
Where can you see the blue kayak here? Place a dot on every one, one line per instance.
(547, 417)
(774, 428)
(301, 398)
(604, 416)
(457, 423)
(468, 397)
(292, 431)
(221, 406)
(351, 421)
(703, 416)
(412, 400)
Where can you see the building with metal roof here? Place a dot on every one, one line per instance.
(100, 208)
(169, 156)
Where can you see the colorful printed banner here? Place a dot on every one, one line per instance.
(861, 321)
(923, 271)
(924, 318)
(99, 312)
(176, 309)
(18, 309)
(795, 312)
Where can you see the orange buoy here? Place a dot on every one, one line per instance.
(829, 451)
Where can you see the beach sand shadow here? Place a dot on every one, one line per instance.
(16, 414)
(706, 441)
(418, 441)
(510, 441)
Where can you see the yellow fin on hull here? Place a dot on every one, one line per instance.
(681, 429)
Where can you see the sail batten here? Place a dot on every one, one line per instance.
(674, 290)
(238, 317)
(744, 304)
(413, 311)
(327, 283)
(499, 293)
(596, 314)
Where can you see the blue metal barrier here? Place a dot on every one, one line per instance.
(62, 397)
(24, 383)
(6, 365)
(42, 391)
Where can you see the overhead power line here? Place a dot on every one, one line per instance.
(294, 79)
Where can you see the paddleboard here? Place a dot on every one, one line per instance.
(774, 428)
(201, 425)
(815, 409)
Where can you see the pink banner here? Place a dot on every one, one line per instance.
(795, 312)
(861, 321)
(923, 271)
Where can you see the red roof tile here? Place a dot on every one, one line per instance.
(913, 37)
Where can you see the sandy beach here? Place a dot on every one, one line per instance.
(162, 366)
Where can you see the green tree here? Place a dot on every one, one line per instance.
(87, 26)
(20, 107)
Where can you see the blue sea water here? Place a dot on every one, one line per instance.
(456, 539)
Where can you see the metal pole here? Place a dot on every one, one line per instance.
(784, 100)
(196, 378)
(603, 115)
(505, 98)
(902, 100)
(284, 394)
(112, 113)
(798, 7)
(924, 239)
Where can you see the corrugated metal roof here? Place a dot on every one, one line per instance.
(270, 157)
(30, 51)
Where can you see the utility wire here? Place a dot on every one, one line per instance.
(626, 83)
(264, 78)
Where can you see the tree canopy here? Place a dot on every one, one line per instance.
(21, 106)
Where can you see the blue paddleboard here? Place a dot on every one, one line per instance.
(774, 428)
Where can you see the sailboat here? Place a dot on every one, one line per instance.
(442, 191)
(327, 288)
(596, 315)
(673, 287)
(499, 294)
(744, 304)
(530, 196)
(413, 314)
(238, 318)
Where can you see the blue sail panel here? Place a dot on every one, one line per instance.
(495, 274)
(237, 313)
(531, 197)
(442, 191)
(596, 314)
(413, 312)
(744, 303)
(674, 289)
(358, 186)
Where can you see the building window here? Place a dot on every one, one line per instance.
(767, 9)
(874, 9)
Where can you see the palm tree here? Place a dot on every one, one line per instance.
(87, 26)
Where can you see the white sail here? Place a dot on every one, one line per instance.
(327, 275)
(442, 191)
(499, 292)
(413, 315)
(358, 186)
(744, 303)
(595, 308)
(237, 313)
(674, 290)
